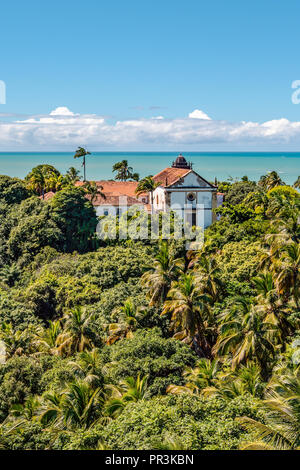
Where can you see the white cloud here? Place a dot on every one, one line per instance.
(63, 129)
(61, 111)
(198, 114)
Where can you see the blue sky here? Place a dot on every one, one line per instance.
(135, 60)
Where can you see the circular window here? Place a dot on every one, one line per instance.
(191, 196)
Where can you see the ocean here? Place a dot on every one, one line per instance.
(222, 165)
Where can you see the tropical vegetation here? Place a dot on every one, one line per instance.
(138, 344)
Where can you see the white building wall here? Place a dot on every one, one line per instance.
(179, 201)
(113, 210)
(159, 199)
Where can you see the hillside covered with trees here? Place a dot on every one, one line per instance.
(140, 344)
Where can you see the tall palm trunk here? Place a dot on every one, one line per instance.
(84, 171)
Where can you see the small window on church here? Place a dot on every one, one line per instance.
(194, 218)
(105, 212)
(191, 197)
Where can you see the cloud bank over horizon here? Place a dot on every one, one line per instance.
(62, 129)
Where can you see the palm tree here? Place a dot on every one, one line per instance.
(124, 172)
(128, 390)
(271, 305)
(147, 185)
(245, 335)
(26, 411)
(72, 175)
(281, 430)
(297, 183)
(163, 271)
(88, 366)
(126, 325)
(77, 407)
(15, 341)
(82, 153)
(271, 180)
(258, 201)
(186, 305)
(46, 338)
(44, 178)
(207, 274)
(77, 334)
(288, 278)
(93, 190)
(203, 376)
(135, 176)
(37, 182)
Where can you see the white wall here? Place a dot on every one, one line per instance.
(112, 210)
(159, 199)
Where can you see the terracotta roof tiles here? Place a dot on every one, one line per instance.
(169, 176)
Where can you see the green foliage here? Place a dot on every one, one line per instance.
(12, 190)
(201, 424)
(138, 344)
(238, 191)
(76, 218)
(148, 353)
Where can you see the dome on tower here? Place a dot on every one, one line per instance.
(181, 162)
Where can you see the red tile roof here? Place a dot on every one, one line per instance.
(116, 187)
(115, 199)
(169, 176)
(47, 196)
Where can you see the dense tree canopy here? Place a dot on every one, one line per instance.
(137, 344)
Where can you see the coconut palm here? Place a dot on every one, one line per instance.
(186, 305)
(26, 411)
(207, 274)
(163, 271)
(77, 407)
(88, 366)
(44, 178)
(245, 380)
(126, 325)
(93, 190)
(81, 152)
(124, 172)
(147, 185)
(37, 182)
(245, 335)
(258, 201)
(72, 175)
(203, 376)
(297, 183)
(46, 338)
(128, 390)
(15, 341)
(281, 430)
(288, 268)
(77, 334)
(271, 305)
(271, 180)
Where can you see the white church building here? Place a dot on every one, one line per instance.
(185, 192)
(179, 189)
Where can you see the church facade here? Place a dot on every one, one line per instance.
(185, 192)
